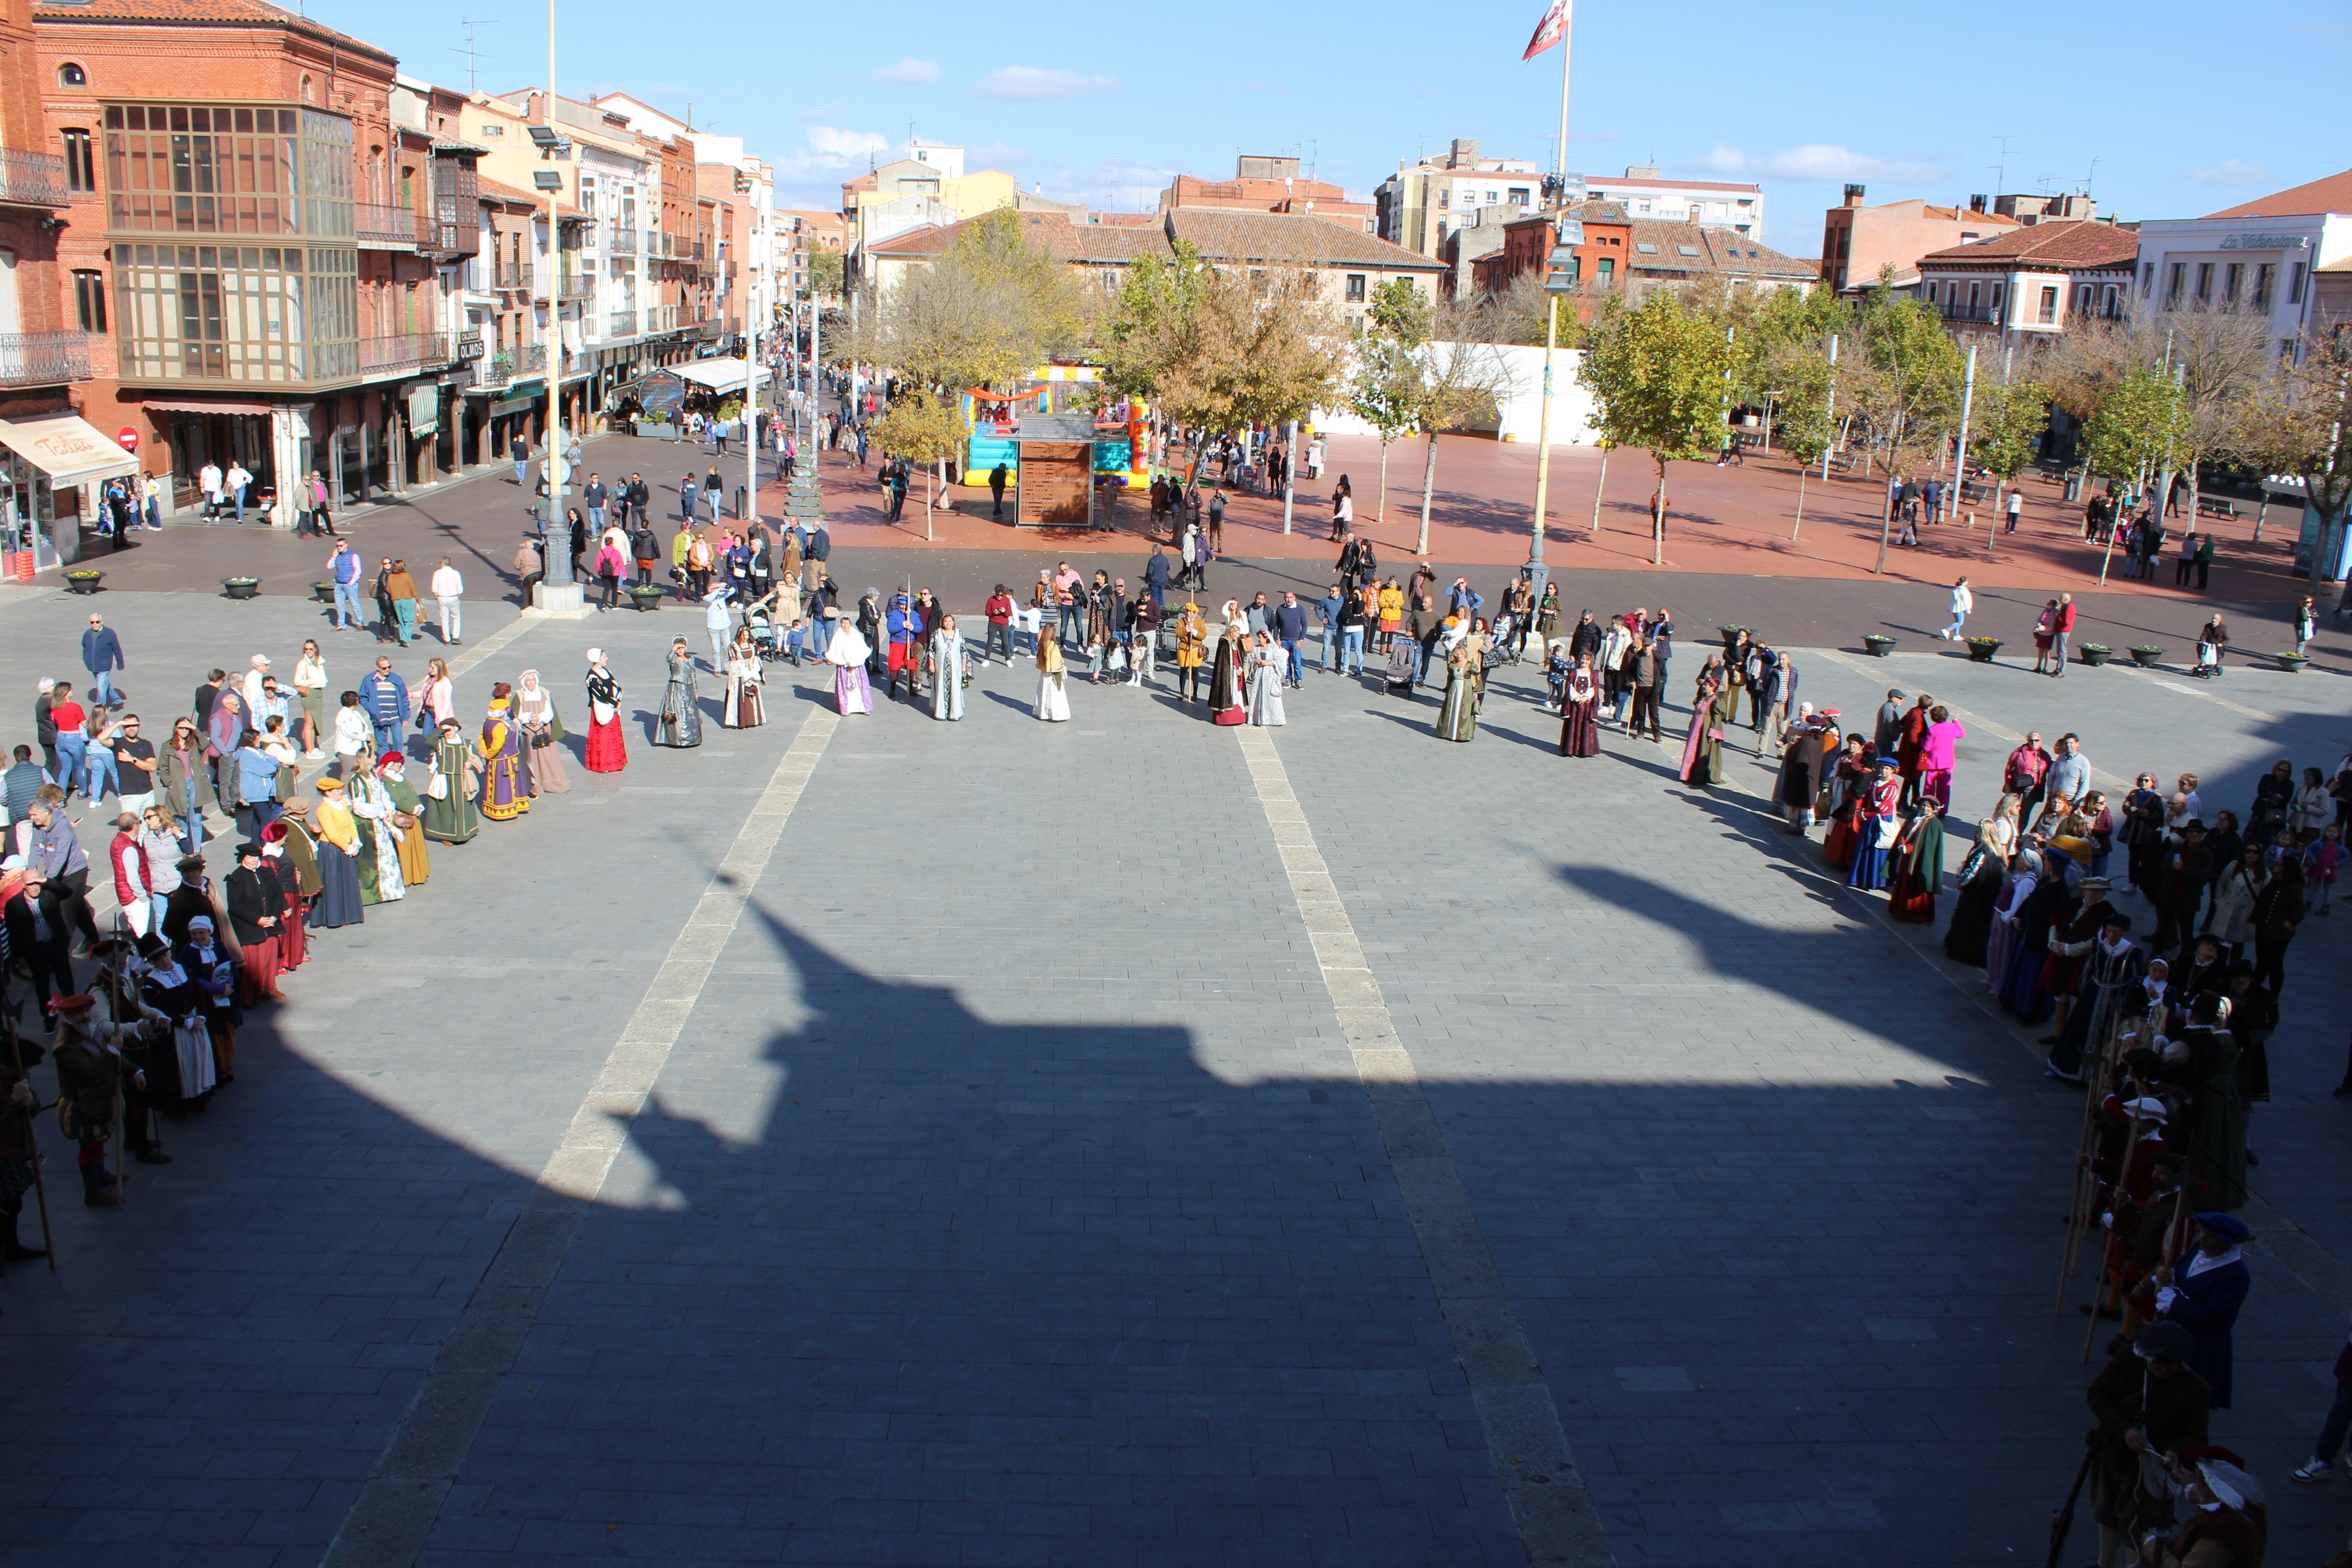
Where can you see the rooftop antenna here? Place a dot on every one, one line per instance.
(1314, 156)
(473, 57)
(2091, 179)
(2000, 169)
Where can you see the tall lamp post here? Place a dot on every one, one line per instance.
(558, 593)
(1555, 27)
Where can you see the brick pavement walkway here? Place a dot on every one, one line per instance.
(1009, 1193)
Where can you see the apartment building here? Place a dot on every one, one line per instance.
(1424, 201)
(2034, 281)
(263, 235)
(1598, 266)
(1861, 243)
(49, 454)
(1268, 184)
(2258, 257)
(1712, 204)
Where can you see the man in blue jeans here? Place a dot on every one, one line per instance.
(1329, 606)
(343, 565)
(1290, 630)
(384, 697)
(102, 655)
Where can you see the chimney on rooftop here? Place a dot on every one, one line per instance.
(1977, 203)
(1854, 196)
(1461, 152)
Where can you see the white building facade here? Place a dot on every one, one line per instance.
(2258, 263)
(1718, 203)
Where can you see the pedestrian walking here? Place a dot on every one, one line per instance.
(102, 655)
(1963, 602)
(449, 587)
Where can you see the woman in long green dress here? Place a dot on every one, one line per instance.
(1457, 720)
(450, 816)
(381, 881)
(505, 791)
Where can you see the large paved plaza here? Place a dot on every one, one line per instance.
(880, 1140)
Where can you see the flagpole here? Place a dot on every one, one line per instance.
(1537, 571)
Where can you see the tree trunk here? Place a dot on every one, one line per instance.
(1428, 489)
(1658, 519)
(1599, 486)
(1380, 505)
(931, 481)
(1886, 524)
(2261, 514)
(1801, 469)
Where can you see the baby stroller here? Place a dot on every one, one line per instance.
(1505, 641)
(763, 632)
(1404, 653)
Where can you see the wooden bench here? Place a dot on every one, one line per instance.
(2217, 506)
(1972, 493)
(1845, 462)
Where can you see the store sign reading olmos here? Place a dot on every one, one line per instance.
(2263, 242)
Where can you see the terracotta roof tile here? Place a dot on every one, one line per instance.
(1227, 235)
(2075, 244)
(2332, 195)
(1713, 250)
(1053, 231)
(196, 14)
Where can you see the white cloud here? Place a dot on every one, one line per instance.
(828, 151)
(1028, 84)
(2232, 171)
(1819, 163)
(909, 72)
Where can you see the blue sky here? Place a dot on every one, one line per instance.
(1103, 103)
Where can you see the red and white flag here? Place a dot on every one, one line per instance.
(1550, 31)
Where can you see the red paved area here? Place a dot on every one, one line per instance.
(1722, 520)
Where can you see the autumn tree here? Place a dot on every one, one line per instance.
(1657, 373)
(1460, 378)
(1386, 389)
(2300, 421)
(2005, 431)
(1802, 381)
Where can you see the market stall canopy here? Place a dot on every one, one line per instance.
(717, 374)
(70, 449)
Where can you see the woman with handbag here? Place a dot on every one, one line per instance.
(449, 814)
(435, 699)
(542, 730)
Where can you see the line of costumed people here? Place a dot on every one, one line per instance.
(2170, 1052)
(153, 1034)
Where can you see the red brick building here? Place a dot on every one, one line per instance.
(1597, 267)
(267, 235)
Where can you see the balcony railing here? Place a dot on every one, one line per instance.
(621, 324)
(380, 228)
(1955, 311)
(621, 241)
(38, 359)
(405, 351)
(32, 180)
(576, 285)
(513, 280)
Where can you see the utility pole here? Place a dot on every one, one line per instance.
(1960, 456)
(751, 296)
(1538, 575)
(558, 593)
(1830, 411)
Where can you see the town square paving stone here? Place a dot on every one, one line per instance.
(1009, 1194)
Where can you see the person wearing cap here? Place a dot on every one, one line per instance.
(338, 846)
(211, 964)
(2184, 873)
(257, 913)
(293, 942)
(2148, 1229)
(2203, 1291)
(37, 936)
(2229, 1521)
(2147, 1400)
(2109, 990)
(91, 1077)
(2075, 929)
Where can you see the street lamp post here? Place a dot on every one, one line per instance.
(558, 593)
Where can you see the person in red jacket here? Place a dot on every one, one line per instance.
(134, 881)
(2062, 627)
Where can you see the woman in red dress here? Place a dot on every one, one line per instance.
(606, 752)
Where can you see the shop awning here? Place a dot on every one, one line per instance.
(717, 374)
(207, 405)
(70, 450)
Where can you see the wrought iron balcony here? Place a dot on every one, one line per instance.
(621, 241)
(382, 227)
(621, 324)
(40, 359)
(32, 180)
(576, 285)
(513, 280)
(404, 352)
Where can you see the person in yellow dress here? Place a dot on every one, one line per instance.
(505, 793)
(1191, 650)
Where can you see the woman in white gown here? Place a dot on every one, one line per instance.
(1266, 664)
(847, 651)
(1053, 700)
(947, 665)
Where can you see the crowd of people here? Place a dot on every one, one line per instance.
(143, 966)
